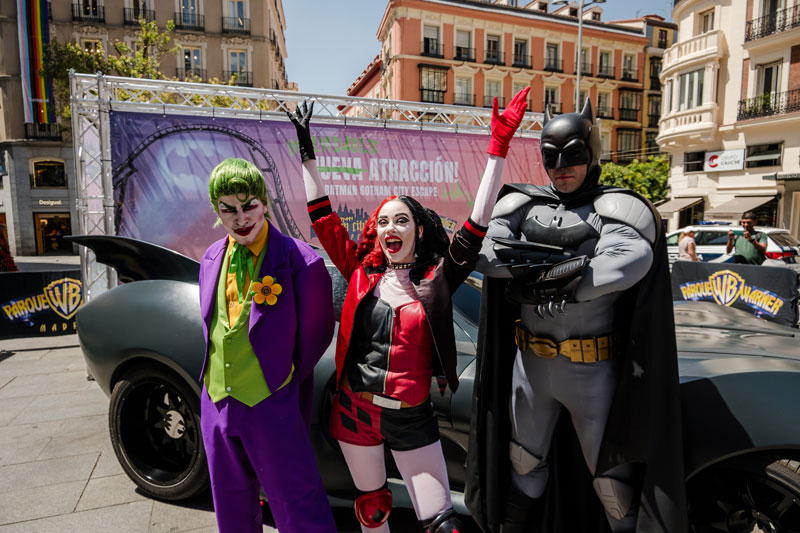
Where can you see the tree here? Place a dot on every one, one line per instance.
(649, 178)
(141, 61)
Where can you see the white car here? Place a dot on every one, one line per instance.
(711, 240)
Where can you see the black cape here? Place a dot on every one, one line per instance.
(644, 424)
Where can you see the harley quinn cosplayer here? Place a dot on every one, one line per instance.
(396, 330)
(266, 301)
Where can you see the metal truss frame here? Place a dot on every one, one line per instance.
(94, 97)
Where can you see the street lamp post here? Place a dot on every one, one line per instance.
(582, 5)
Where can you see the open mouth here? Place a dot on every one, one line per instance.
(393, 244)
(245, 230)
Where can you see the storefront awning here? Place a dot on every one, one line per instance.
(733, 209)
(677, 204)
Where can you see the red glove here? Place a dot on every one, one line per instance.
(504, 125)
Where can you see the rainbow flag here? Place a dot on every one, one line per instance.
(34, 35)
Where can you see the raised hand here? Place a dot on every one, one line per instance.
(506, 123)
(300, 119)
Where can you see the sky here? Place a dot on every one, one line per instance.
(330, 42)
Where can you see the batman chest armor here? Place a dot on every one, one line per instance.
(574, 230)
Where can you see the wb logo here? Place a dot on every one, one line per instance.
(726, 286)
(64, 297)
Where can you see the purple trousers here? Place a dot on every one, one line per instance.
(266, 445)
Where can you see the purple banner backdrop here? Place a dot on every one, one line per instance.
(162, 163)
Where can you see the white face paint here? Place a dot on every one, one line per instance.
(397, 232)
(243, 220)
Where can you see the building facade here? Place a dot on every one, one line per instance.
(463, 52)
(238, 40)
(731, 112)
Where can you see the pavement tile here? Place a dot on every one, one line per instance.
(42, 473)
(108, 491)
(5, 380)
(107, 465)
(84, 424)
(40, 502)
(183, 516)
(126, 518)
(22, 450)
(37, 430)
(13, 407)
(39, 343)
(89, 402)
(18, 367)
(75, 444)
(39, 384)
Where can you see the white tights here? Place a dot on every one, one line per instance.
(423, 470)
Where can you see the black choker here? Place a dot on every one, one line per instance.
(400, 266)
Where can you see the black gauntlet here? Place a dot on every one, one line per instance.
(300, 119)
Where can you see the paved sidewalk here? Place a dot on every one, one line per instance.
(58, 471)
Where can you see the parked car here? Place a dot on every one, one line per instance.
(711, 241)
(739, 375)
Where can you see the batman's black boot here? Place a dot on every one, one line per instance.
(518, 506)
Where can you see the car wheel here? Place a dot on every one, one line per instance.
(755, 495)
(154, 420)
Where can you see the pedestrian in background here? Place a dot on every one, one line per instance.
(750, 248)
(687, 247)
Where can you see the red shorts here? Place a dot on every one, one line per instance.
(355, 420)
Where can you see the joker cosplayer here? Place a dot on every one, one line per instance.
(267, 308)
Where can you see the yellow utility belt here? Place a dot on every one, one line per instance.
(583, 350)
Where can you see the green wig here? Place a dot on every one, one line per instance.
(238, 177)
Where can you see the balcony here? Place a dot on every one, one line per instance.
(778, 22)
(605, 112)
(236, 25)
(132, 16)
(702, 48)
(464, 99)
(662, 43)
(628, 114)
(680, 126)
(88, 13)
(433, 96)
(488, 101)
(42, 132)
(189, 21)
(432, 48)
(244, 78)
(464, 53)
(191, 73)
(769, 104)
(521, 60)
(630, 74)
(652, 121)
(605, 71)
(586, 69)
(495, 57)
(551, 64)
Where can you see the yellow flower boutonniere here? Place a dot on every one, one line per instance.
(266, 291)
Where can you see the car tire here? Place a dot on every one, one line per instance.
(154, 421)
(748, 494)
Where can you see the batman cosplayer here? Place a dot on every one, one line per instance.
(577, 408)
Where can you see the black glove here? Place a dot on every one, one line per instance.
(300, 120)
(552, 290)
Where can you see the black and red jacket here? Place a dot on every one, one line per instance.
(433, 290)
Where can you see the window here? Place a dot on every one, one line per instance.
(629, 144)
(693, 161)
(493, 48)
(654, 111)
(140, 8)
(604, 105)
(551, 57)
(516, 87)
(192, 59)
(190, 12)
(237, 60)
(464, 45)
(236, 9)
(493, 88)
(662, 38)
(430, 41)
(604, 64)
(691, 90)
(521, 53)
(573, 12)
(629, 103)
(763, 155)
(768, 78)
(605, 147)
(655, 68)
(48, 174)
(543, 6)
(629, 67)
(463, 94)
(433, 84)
(91, 45)
(583, 62)
(668, 100)
(707, 21)
(596, 16)
(650, 144)
(552, 100)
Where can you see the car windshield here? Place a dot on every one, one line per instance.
(784, 239)
(467, 299)
(713, 237)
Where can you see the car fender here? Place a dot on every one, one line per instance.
(143, 320)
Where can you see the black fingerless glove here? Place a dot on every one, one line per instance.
(301, 119)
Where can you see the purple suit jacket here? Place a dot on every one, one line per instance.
(298, 328)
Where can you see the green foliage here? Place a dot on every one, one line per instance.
(649, 178)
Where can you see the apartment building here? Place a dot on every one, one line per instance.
(465, 52)
(731, 112)
(239, 40)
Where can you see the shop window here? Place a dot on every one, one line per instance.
(48, 174)
(51, 228)
(693, 161)
(763, 155)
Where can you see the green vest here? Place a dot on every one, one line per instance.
(233, 368)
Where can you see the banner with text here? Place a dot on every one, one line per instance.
(161, 166)
(767, 292)
(39, 304)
